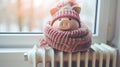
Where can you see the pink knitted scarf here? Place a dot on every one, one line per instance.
(68, 41)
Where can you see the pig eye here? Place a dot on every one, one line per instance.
(60, 19)
(70, 18)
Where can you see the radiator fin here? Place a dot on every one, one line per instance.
(70, 60)
(93, 59)
(78, 59)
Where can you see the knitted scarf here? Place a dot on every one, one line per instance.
(68, 41)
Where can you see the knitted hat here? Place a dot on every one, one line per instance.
(66, 13)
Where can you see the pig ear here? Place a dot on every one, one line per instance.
(53, 10)
(76, 8)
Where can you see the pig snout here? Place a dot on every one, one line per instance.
(65, 25)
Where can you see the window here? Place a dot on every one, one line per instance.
(22, 21)
(30, 16)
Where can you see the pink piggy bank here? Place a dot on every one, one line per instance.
(65, 31)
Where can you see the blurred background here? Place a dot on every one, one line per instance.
(32, 15)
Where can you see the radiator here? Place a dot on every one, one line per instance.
(99, 55)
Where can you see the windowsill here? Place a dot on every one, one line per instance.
(24, 40)
(14, 50)
(33, 34)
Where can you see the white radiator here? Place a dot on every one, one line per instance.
(100, 55)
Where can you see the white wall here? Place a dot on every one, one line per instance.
(116, 40)
(111, 19)
(13, 58)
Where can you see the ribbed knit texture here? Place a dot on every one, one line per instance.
(68, 41)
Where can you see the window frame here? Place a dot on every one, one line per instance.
(29, 40)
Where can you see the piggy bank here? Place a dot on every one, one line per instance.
(65, 31)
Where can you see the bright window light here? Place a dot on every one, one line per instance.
(30, 16)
